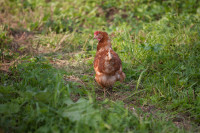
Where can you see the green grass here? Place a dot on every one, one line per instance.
(49, 86)
(36, 98)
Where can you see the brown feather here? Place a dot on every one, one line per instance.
(107, 64)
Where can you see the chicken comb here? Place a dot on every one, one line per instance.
(96, 32)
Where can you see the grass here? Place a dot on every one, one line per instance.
(47, 76)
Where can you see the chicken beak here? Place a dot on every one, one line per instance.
(95, 37)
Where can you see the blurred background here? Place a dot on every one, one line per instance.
(80, 15)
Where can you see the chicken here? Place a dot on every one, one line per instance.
(107, 64)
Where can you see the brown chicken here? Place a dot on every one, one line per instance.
(107, 64)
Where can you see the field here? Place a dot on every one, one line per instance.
(46, 66)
